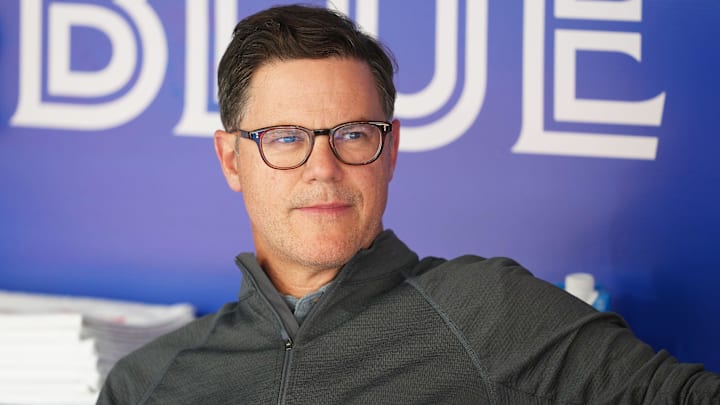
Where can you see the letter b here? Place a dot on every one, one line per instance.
(33, 111)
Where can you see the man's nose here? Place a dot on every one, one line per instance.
(322, 164)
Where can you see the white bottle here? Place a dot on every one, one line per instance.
(582, 285)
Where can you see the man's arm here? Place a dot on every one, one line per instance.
(535, 341)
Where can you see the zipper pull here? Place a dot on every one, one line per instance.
(288, 344)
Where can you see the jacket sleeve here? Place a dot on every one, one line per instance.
(133, 378)
(118, 389)
(533, 342)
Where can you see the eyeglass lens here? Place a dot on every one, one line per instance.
(287, 147)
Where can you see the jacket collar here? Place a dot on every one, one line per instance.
(368, 274)
(386, 255)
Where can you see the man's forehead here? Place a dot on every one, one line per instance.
(304, 91)
(305, 74)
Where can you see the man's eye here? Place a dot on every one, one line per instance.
(282, 138)
(352, 136)
(286, 139)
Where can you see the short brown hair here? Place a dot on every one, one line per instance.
(296, 32)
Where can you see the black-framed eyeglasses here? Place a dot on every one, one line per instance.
(286, 147)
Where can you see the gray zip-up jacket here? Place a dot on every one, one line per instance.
(395, 329)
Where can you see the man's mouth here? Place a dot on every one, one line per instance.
(332, 207)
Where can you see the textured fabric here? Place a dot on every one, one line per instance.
(395, 329)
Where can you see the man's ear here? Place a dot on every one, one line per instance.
(225, 149)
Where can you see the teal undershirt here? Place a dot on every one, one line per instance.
(301, 307)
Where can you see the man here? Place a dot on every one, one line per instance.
(335, 309)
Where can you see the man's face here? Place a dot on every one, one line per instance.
(320, 214)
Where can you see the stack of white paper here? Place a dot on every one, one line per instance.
(58, 349)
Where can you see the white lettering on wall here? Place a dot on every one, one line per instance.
(604, 10)
(197, 119)
(46, 108)
(571, 109)
(62, 81)
(455, 123)
(533, 136)
(438, 92)
(33, 111)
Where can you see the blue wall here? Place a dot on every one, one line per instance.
(569, 135)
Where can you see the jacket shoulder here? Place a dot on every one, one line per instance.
(498, 291)
(470, 275)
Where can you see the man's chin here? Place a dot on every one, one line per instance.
(329, 246)
(327, 255)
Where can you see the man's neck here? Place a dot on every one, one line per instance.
(297, 281)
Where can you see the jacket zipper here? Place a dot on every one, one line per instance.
(286, 367)
(286, 338)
